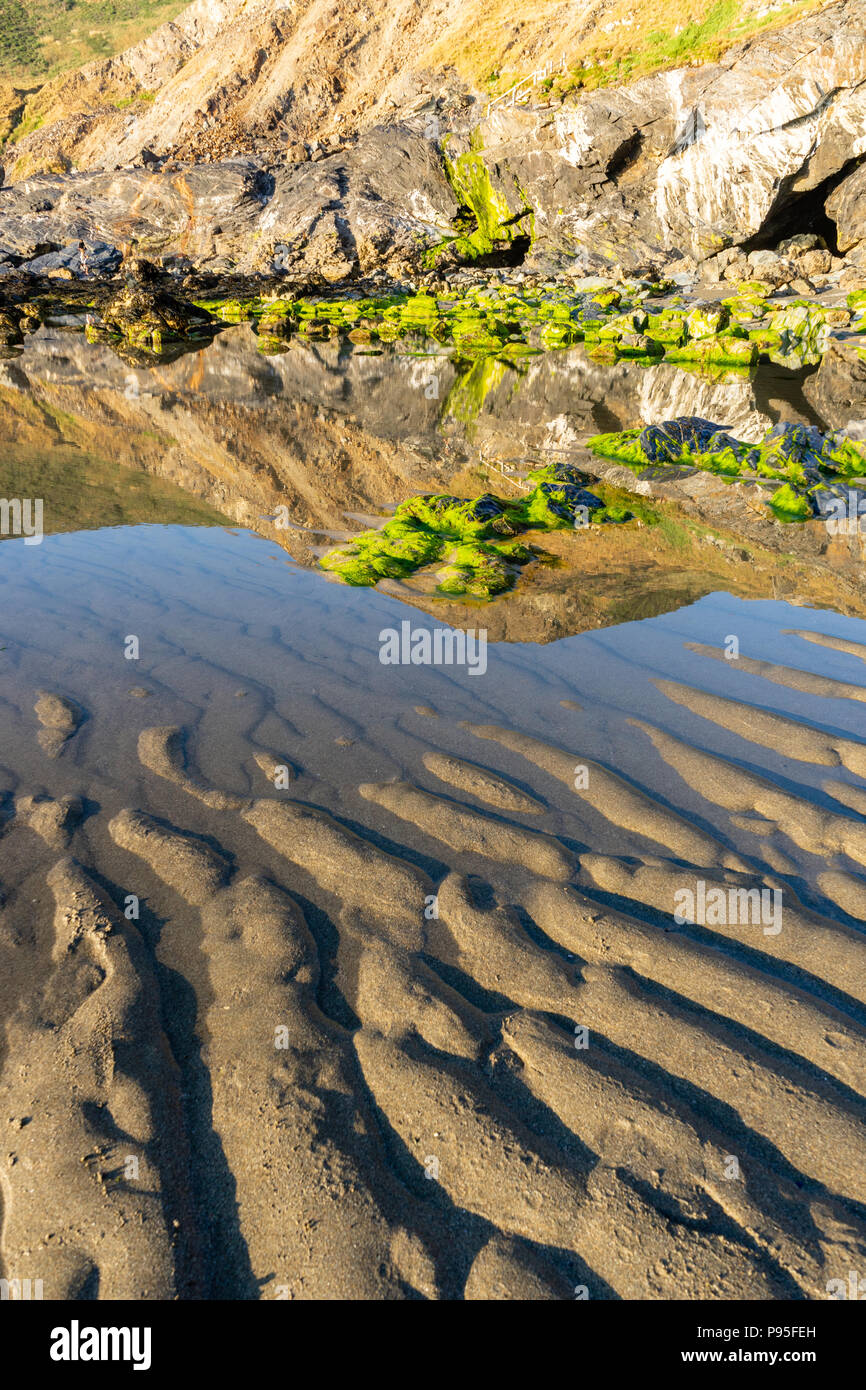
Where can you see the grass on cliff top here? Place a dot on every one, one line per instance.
(41, 38)
(700, 39)
(601, 42)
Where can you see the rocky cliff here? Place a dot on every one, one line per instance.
(411, 169)
(763, 143)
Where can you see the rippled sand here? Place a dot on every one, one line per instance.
(323, 978)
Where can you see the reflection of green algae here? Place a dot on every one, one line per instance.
(477, 537)
(789, 505)
(465, 400)
(478, 570)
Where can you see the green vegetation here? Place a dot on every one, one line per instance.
(478, 538)
(41, 38)
(123, 102)
(795, 462)
(693, 40)
(499, 43)
(487, 223)
(25, 127)
(19, 39)
(686, 38)
(507, 322)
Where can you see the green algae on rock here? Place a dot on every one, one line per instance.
(485, 225)
(477, 537)
(506, 321)
(147, 317)
(800, 465)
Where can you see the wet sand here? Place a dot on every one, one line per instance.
(299, 951)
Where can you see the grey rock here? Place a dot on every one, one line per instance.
(796, 245)
(617, 174)
(837, 391)
(768, 266)
(815, 262)
(379, 205)
(684, 163)
(847, 208)
(100, 258)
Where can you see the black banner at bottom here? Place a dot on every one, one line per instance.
(62, 1339)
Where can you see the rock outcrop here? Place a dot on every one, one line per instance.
(378, 205)
(668, 170)
(846, 206)
(684, 163)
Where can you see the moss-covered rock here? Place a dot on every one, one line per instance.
(478, 536)
(799, 457)
(478, 517)
(705, 320)
(506, 321)
(724, 350)
(401, 547)
(477, 570)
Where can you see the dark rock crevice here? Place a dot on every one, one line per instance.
(795, 212)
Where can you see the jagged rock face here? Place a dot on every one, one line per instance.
(189, 211)
(694, 159)
(846, 206)
(377, 205)
(679, 164)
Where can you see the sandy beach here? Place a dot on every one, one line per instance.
(327, 978)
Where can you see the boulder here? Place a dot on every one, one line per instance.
(769, 266)
(97, 258)
(837, 390)
(738, 271)
(814, 262)
(797, 245)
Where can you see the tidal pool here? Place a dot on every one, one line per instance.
(438, 974)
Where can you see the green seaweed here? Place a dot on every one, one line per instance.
(495, 224)
(398, 550)
(725, 350)
(788, 505)
(799, 457)
(478, 537)
(503, 322)
(478, 570)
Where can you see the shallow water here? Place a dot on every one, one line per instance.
(311, 445)
(246, 647)
(229, 630)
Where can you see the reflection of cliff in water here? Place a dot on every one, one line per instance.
(331, 436)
